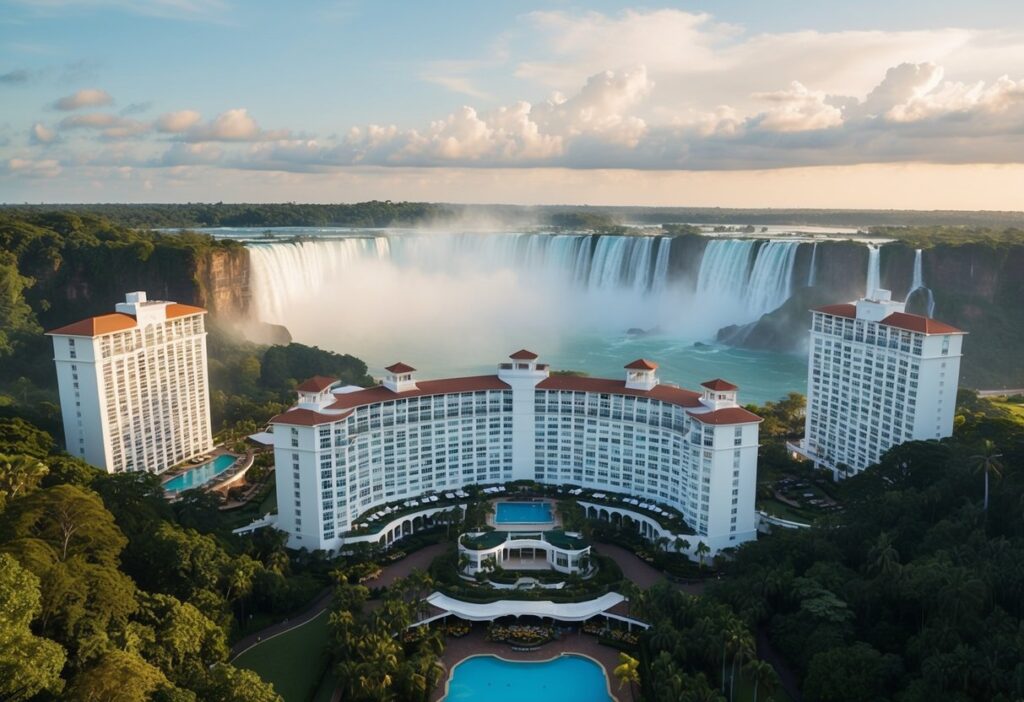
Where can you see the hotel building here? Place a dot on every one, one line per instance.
(343, 452)
(876, 377)
(133, 385)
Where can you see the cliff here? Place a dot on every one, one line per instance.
(977, 287)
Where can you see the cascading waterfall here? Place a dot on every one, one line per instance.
(918, 283)
(812, 274)
(874, 281)
(751, 277)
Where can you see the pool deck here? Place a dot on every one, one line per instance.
(556, 519)
(475, 643)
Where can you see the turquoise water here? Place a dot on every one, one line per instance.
(202, 473)
(564, 679)
(522, 513)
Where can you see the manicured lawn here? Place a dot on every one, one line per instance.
(1017, 410)
(780, 509)
(293, 662)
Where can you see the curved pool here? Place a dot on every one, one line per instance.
(567, 678)
(200, 474)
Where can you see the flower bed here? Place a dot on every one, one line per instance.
(520, 634)
(457, 630)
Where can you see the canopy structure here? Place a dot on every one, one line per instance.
(562, 611)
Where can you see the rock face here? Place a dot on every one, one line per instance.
(223, 283)
(976, 287)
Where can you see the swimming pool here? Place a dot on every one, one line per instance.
(567, 678)
(202, 473)
(523, 513)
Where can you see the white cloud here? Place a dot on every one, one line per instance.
(177, 122)
(109, 126)
(41, 134)
(43, 168)
(89, 97)
(798, 109)
(232, 125)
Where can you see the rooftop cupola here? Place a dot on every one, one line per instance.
(315, 393)
(399, 378)
(878, 305)
(523, 364)
(718, 394)
(641, 374)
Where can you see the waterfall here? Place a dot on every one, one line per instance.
(812, 271)
(874, 281)
(918, 284)
(659, 276)
(749, 277)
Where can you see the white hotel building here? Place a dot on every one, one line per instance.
(133, 385)
(343, 452)
(876, 377)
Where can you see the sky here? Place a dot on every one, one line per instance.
(733, 103)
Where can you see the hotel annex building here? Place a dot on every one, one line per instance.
(134, 393)
(341, 452)
(876, 377)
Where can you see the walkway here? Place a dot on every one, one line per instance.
(640, 571)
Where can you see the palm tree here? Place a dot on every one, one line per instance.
(764, 675)
(627, 671)
(702, 550)
(883, 558)
(987, 462)
(681, 544)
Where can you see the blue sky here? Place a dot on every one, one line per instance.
(723, 102)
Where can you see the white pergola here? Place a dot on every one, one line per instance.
(561, 611)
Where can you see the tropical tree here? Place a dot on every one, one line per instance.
(627, 672)
(702, 551)
(18, 475)
(763, 674)
(681, 544)
(987, 462)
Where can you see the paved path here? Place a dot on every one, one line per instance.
(997, 393)
(640, 571)
(420, 559)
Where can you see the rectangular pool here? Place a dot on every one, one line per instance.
(523, 513)
(202, 473)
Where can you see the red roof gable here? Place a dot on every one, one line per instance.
(318, 383)
(664, 393)
(917, 323)
(97, 326)
(523, 355)
(843, 309)
(728, 415)
(642, 364)
(307, 418)
(719, 384)
(176, 309)
(380, 393)
(400, 368)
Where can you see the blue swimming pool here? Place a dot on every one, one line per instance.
(202, 473)
(523, 513)
(564, 679)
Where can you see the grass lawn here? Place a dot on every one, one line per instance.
(780, 509)
(1017, 410)
(293, 662)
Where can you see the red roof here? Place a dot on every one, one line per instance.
(400, 368)
(728, 415)
(523, 355)
(358, 398)
(176, 309)
(843, 309)
(642, 364)
(664, 393)
(307, 418)
(917, 323)
(117, 321)
(97, 326)
(318, 383)
(719, 384)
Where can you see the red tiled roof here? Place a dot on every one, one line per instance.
(728, 415)
(117, 321)
(318, 383)
(917, 323)
(843, 309)
(380, 393)
(523, 355)
(642, 364)
(400, 368)
(719, 384)
(97, 326)
(665, 393)
(176, 309)
(307, 417)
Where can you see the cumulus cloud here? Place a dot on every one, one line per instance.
(233, 125)
(177, 122)
(798, 109)
(182, 154)
(40, 134)
(43, 168)
(89, 97)
(109, 126)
